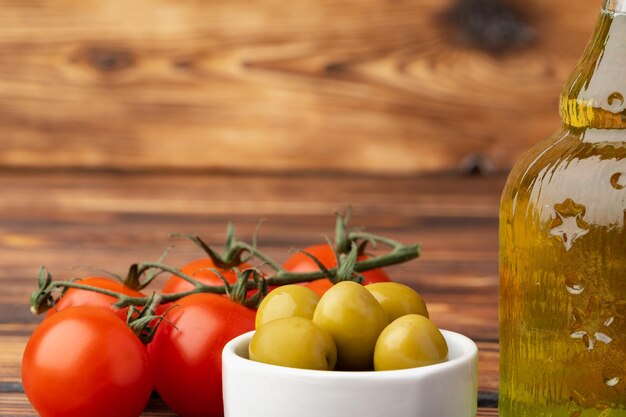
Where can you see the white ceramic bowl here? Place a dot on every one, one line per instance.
(254, 389)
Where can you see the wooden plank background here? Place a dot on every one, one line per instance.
(380, 86)
(122, 121)
(62, 220)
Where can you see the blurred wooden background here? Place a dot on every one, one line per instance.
(377, 86)
(122, 121)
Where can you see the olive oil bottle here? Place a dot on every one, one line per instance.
(563, 248)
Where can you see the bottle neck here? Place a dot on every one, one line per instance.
(615, 6)
(595, 94)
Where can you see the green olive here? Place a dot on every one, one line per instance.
(295, 342)
(397, 299)
(287, 301)
(409, 342)
(354, 319)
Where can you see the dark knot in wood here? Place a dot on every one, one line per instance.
(477, 164)
(495, 26)
(109, 60)
(334, 67)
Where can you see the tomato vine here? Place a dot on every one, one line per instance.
(349, 243)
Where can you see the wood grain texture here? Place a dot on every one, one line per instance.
(16, 405)
(360, 86)
(111, 220)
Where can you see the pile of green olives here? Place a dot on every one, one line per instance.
(382, 326)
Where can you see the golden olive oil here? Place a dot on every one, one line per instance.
(563, 249)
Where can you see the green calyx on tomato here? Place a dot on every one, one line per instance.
(235, 252)
(236, 280)
(323, 257)
(204, 271)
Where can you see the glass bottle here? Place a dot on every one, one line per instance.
(563, 248)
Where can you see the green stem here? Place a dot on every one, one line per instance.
(374, 238)
(126, 300)
(144, 266)
(115, 294)
(258, 254)
(151, 277)
(400, 253)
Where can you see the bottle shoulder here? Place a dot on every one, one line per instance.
(568, 170)
(536, 158)
(591, 148)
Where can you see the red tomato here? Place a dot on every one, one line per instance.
(84, 361)
(76, 297)
(187, 355)
(199, 270)
(300, 262)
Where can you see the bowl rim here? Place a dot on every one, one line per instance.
(464, 343)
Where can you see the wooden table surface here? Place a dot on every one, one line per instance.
(62, 219)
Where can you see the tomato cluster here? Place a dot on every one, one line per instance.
(82, 360)
(86, 359)
(382, 326)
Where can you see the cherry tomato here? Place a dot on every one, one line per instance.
(354, 319)
(409, 342)
(77, 297)
(295, 342)
(397, 299)
(300, 262)
(287, 301)
(187, 355)
(84, 361)
(200, 270)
